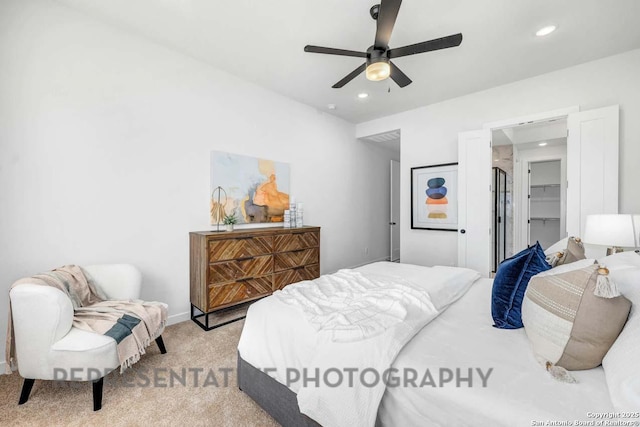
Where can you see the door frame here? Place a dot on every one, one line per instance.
(518, 188)
(394, 221)
(521, 204)
(561, 113)
(544, 116)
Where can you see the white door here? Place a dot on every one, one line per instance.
(474, 200)
(592, 166)
(394, 216)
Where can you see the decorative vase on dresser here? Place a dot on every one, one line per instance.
(230, 269)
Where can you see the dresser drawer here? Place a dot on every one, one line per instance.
(243, 247)
(299, 258)
(239, 291)
(227, 271)
(293, 275)
(295, 241)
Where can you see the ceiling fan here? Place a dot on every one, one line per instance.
(378, 65)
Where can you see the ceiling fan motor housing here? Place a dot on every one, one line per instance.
(374, 11)
(376, 55)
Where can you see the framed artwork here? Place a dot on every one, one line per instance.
(255, 190)
(434, 197)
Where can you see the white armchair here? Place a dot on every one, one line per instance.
(48, 347)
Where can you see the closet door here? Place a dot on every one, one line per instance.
(592, 166)
(474, 200)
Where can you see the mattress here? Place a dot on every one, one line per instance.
(273, 344)
(519, 392)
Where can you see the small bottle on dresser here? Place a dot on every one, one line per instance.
(287, 219)
(292, 212)
(299, 212)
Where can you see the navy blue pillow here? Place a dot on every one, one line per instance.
(510, 284)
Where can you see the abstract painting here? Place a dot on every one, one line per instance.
(255, 190)
(434, 197)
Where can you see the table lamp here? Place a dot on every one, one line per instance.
(614, 231)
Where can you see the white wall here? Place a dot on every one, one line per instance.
(429, 134)
(104, 154)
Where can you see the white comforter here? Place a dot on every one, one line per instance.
(348, 306)
(338, 333)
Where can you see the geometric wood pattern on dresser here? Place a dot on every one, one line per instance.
(295, 241)
(222, 295)
(286, 277)
(300, 257)
(230, 268)
(225, 271)
(220, 250)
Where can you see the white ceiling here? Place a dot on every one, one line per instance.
(262, 41)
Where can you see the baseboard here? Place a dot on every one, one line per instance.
(3, 366)
(370, 262)
(178, 318)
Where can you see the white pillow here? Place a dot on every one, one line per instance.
(557, 247)
(621, 364)
(577, 265)
(620, 260)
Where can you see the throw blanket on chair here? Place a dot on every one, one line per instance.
(134, 325)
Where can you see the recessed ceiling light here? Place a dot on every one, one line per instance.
(331, 106)
(363, 95)
(542, 144)
(545, 31)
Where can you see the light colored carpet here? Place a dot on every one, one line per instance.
(188, 347)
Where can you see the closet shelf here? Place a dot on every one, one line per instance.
(545, 186)
(545, 199)
(544, 219)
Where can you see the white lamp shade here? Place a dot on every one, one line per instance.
(610, 230)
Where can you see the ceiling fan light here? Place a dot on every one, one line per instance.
(378, 71)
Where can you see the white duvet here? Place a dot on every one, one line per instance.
(349, 320)
(350, 306)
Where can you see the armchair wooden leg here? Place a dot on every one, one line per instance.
(27, 385)
(97, 394)
(161, 345)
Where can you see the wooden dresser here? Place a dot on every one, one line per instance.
(232, 268)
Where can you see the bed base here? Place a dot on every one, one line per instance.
(275, 398)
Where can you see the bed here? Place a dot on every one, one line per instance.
(518, 390)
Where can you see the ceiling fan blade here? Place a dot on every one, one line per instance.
(436, 44)
(385, 22)
(398, 76)
(332, 51)
(352, 75)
